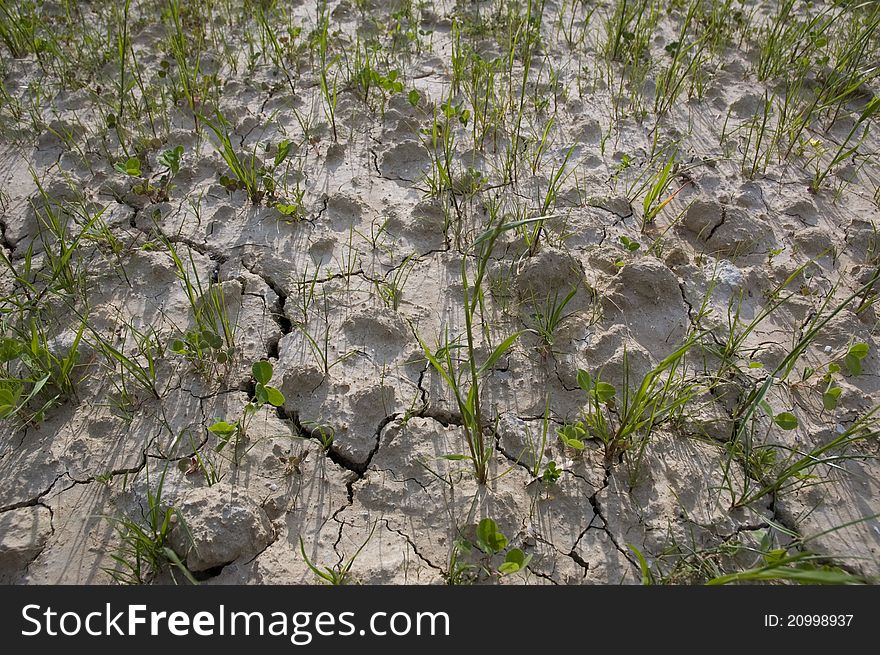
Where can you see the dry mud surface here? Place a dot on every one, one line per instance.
(357, 251)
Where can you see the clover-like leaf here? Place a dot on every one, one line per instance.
(262, 372)
(786, 420)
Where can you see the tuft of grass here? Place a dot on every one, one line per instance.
(546, 320)
(624, 423)
(248, 173)
(336, 575)
(144, 551)
(464, 379)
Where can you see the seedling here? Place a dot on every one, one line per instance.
(264, 394)
(248, 174)
(626, 423)
(144, 551)
(831, 391)
(324, 433)
(547, 320)
(551, 473)
(468, 398)
(630, 245)
(336, 575)
(491, 541)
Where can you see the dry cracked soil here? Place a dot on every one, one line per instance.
(620, 257)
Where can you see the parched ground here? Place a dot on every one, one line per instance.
(340, 189)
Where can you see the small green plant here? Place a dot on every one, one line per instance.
(264, 394)
(457, 376)
(630, 245)
(573, 435)
(625, 423)
(338, 574)
(144, 551)
(248, 173)
(657, 187)
(201, 463)
(391, 289)
(491, 542)
(200, 345)
(845, 150)
(547, 319)
(792, 564)
(551, 473)
(130, 167)
(212, 337)
(324, 433)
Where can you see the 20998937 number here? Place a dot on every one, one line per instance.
(818, 620)
(808, 620)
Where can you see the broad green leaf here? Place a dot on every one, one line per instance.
(170, 159)
(287, 210)
(604, 392)
(830, 398)
(283, 151)
(275, 397)
(585, 380)
(854, 356)
(509, 567)
(414, 97)
(222, 428)
(262, 372)
(853, 364)
(489, 538)
(261, 394)
(9, 349)
(132, 167)
(214, 340)
(786, 420)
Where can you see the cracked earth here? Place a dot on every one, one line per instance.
(360, 463)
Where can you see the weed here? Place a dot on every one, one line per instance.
(547, 319)
(144, 551)
(264, 394)
(338, 574)
(622, 424)
(454, 375)
(249, 174)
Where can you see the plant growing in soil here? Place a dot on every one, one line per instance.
(546, 320)
(264, 394)
(390, 289)
(845, 150)
(249, 174)
(747, 413)
(338, 574)
(212, 338)
(624, 423)
(751, 557)
(491, 542)
(457, 376)
(144, 551)
(323, 432)
(828, 382)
